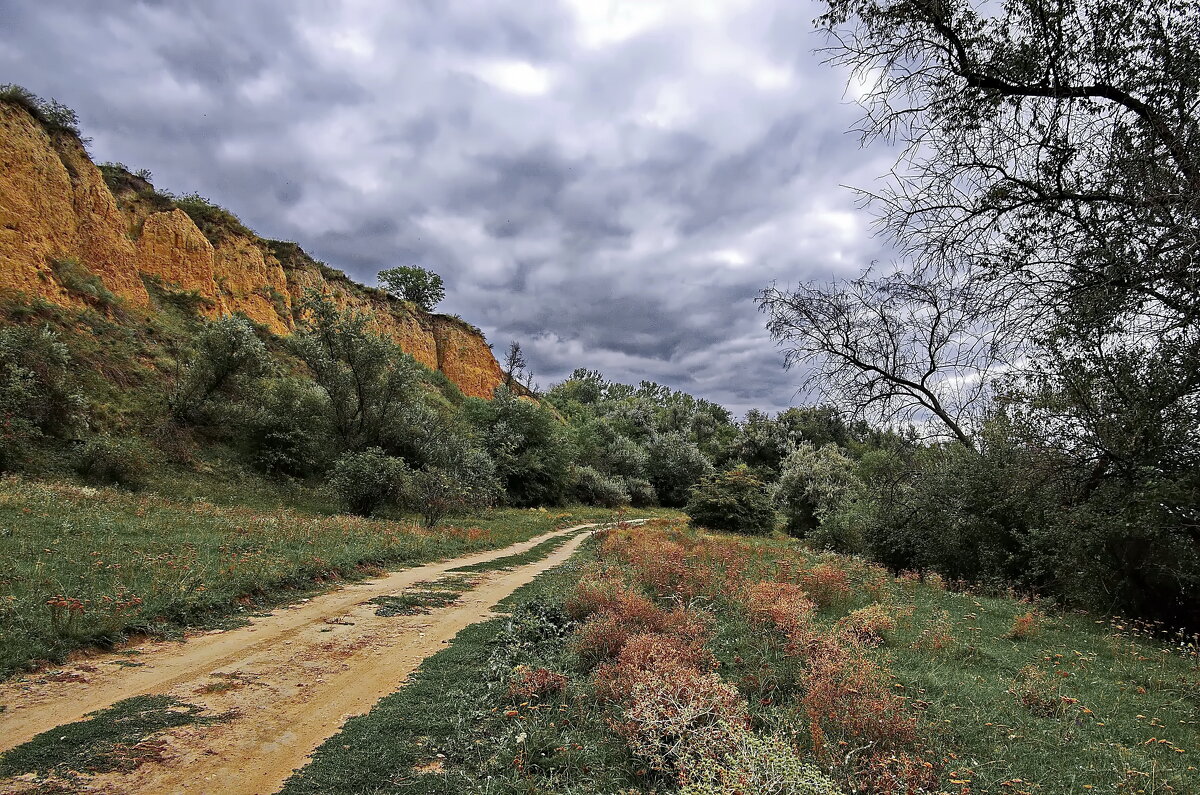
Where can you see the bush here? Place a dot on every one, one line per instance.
(813, 483)
(674, 466)
(438, 493)
(735, 501)
(79, 280)
(423, 287)
(52, 114)
(214, 221)
(593, 488)
(36, 392)
(758, 765)
(363, 482)
(288, 431)
(228, 354)
(641, 493)
(105, 461)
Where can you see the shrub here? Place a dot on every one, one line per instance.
(365, 481)
(214, 221)
(662, 565)
(593, 488)
(653, 651)
(228, 354)
(676, 716)
(287, 431)
(535, 683)
(674, 466)
(762, 765)
(1025, 626)
(736, 501)
(847, 700)
(785, 606)
(641, 493)
(813, 483)
(437, 493)
(37, 395)
(827, 584)
(52, 114)
(871, 625)
(113, 462)
(78, 280)
(423, 287)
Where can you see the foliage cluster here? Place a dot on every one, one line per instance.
(409, 283)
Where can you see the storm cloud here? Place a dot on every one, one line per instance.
(609, 182)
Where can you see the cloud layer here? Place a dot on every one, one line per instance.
(610, 182)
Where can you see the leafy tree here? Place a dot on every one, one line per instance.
(641, 493)
(288, 429)
(436, 494)
(372, 386)
(1050, 201)
(457, 478)
(763, 443)
(675, 465)
(528, 444)
(364, 481)
(423, 287)
(735, 500)
(228, 354)
(593, 488)
(814, 482)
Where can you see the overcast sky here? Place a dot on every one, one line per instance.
(609, 182)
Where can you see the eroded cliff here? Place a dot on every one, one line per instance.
(59, 217)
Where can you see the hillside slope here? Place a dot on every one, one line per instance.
(57, 208)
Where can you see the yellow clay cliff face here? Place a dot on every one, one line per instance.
(55, 205)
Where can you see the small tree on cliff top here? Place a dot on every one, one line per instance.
(423, 287)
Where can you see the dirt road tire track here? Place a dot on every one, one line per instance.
(290, 679)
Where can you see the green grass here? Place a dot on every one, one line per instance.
(115, 563)
(1130, 721)
(113, 739)
(424, 597)
(536, 552)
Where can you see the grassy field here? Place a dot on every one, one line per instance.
(778, 666)
(91, 566)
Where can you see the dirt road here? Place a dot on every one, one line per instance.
(287, 681)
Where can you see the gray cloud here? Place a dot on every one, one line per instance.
(609, 182)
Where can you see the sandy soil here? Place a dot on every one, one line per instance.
(288, 680)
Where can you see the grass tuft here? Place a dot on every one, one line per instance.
(119, 738)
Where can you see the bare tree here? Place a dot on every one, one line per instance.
(515, 365)
(1051, 143)
(895, 348)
